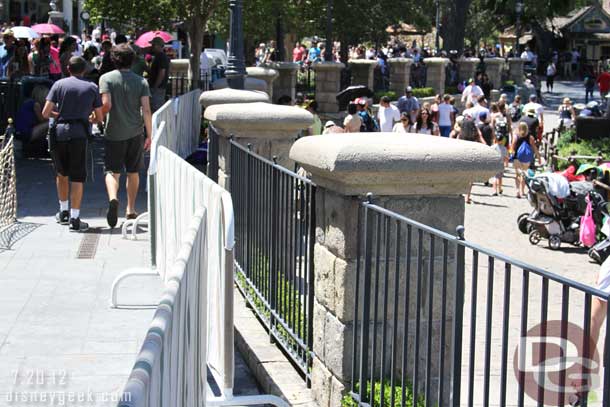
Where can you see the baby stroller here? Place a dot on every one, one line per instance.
(558, 206)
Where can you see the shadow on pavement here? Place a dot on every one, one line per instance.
(13, 233)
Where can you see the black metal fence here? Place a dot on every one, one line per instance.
(442, 321)
(180, 84)
(10, 101)
(274, 231)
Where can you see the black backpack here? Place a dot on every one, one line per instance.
(469, 130)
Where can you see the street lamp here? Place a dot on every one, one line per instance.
(518, 10)
(236, 65)
(437, 41)
(328, 52)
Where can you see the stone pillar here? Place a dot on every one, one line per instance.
(362, 72)
(286, 82)
(270, 129)
(515, 70)
(421, 178)
(467, 68)
(400, 74)
(494, 71)
(266, 74)
(328, 84)
(436, 74)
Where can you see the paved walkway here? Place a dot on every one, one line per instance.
(492, 223)
(57, 332)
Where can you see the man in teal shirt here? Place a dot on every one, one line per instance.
(128, 132)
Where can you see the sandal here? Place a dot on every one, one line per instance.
(131, 216)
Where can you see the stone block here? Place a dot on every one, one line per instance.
(337, 391)
(338, 342)
(321, 383)
(319, 323)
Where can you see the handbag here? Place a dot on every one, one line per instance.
(587, 226)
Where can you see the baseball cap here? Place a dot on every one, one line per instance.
(157, 41)
(8, 33)
(532, 97)
(408, 89)
(531, 111)
(483, 116)
(328, 124)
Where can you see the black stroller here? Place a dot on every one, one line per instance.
(557, 220)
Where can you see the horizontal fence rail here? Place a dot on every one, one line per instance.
(275, 226)
(442, 321)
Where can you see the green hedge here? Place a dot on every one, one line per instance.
(378, 95)
(566, 146)
(347, 400)
(452, 90)
(423, 92)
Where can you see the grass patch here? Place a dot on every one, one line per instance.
(347, 400)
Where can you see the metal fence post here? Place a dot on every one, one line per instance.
(366, 303)
(311, 279)
(273, 261)
(458, 319)
(152, 219)
(213, 151)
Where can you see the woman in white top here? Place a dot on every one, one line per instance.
(352, 122)
(446, 116)
(425, 125)
(405, 125)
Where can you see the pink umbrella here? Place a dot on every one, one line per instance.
(47, 29)
(144, 40)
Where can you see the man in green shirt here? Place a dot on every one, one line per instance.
(126, 101)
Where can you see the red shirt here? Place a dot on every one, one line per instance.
(603, 81)
(297, 54)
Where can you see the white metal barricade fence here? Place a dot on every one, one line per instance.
(192, 330)
(176, 126)
(182, 118)
(8, 184)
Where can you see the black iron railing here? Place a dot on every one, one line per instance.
(442, 321)
(180, 84)
(274, 233)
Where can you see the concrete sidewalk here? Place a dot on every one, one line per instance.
(58, 334)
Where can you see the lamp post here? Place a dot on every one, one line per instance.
(236, 66)
(518, 10)
(328, 51)
(437, 41)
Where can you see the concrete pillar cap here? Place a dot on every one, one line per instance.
(249, 84)
(494, 60)
(259, 119)
(228, 95)
(261, 72)
(393, 164)
(471, 59)
(400, 60)
(327, 66)
(436, 61)
(285, 66)
(362, 62)
(516, 59)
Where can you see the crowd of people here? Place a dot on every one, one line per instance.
(43, 61)
(101, 83)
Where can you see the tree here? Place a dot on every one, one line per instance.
(453, 26)
(141, 15)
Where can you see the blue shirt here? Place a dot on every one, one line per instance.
(74, 100)
(407, 104)
(314, 54)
